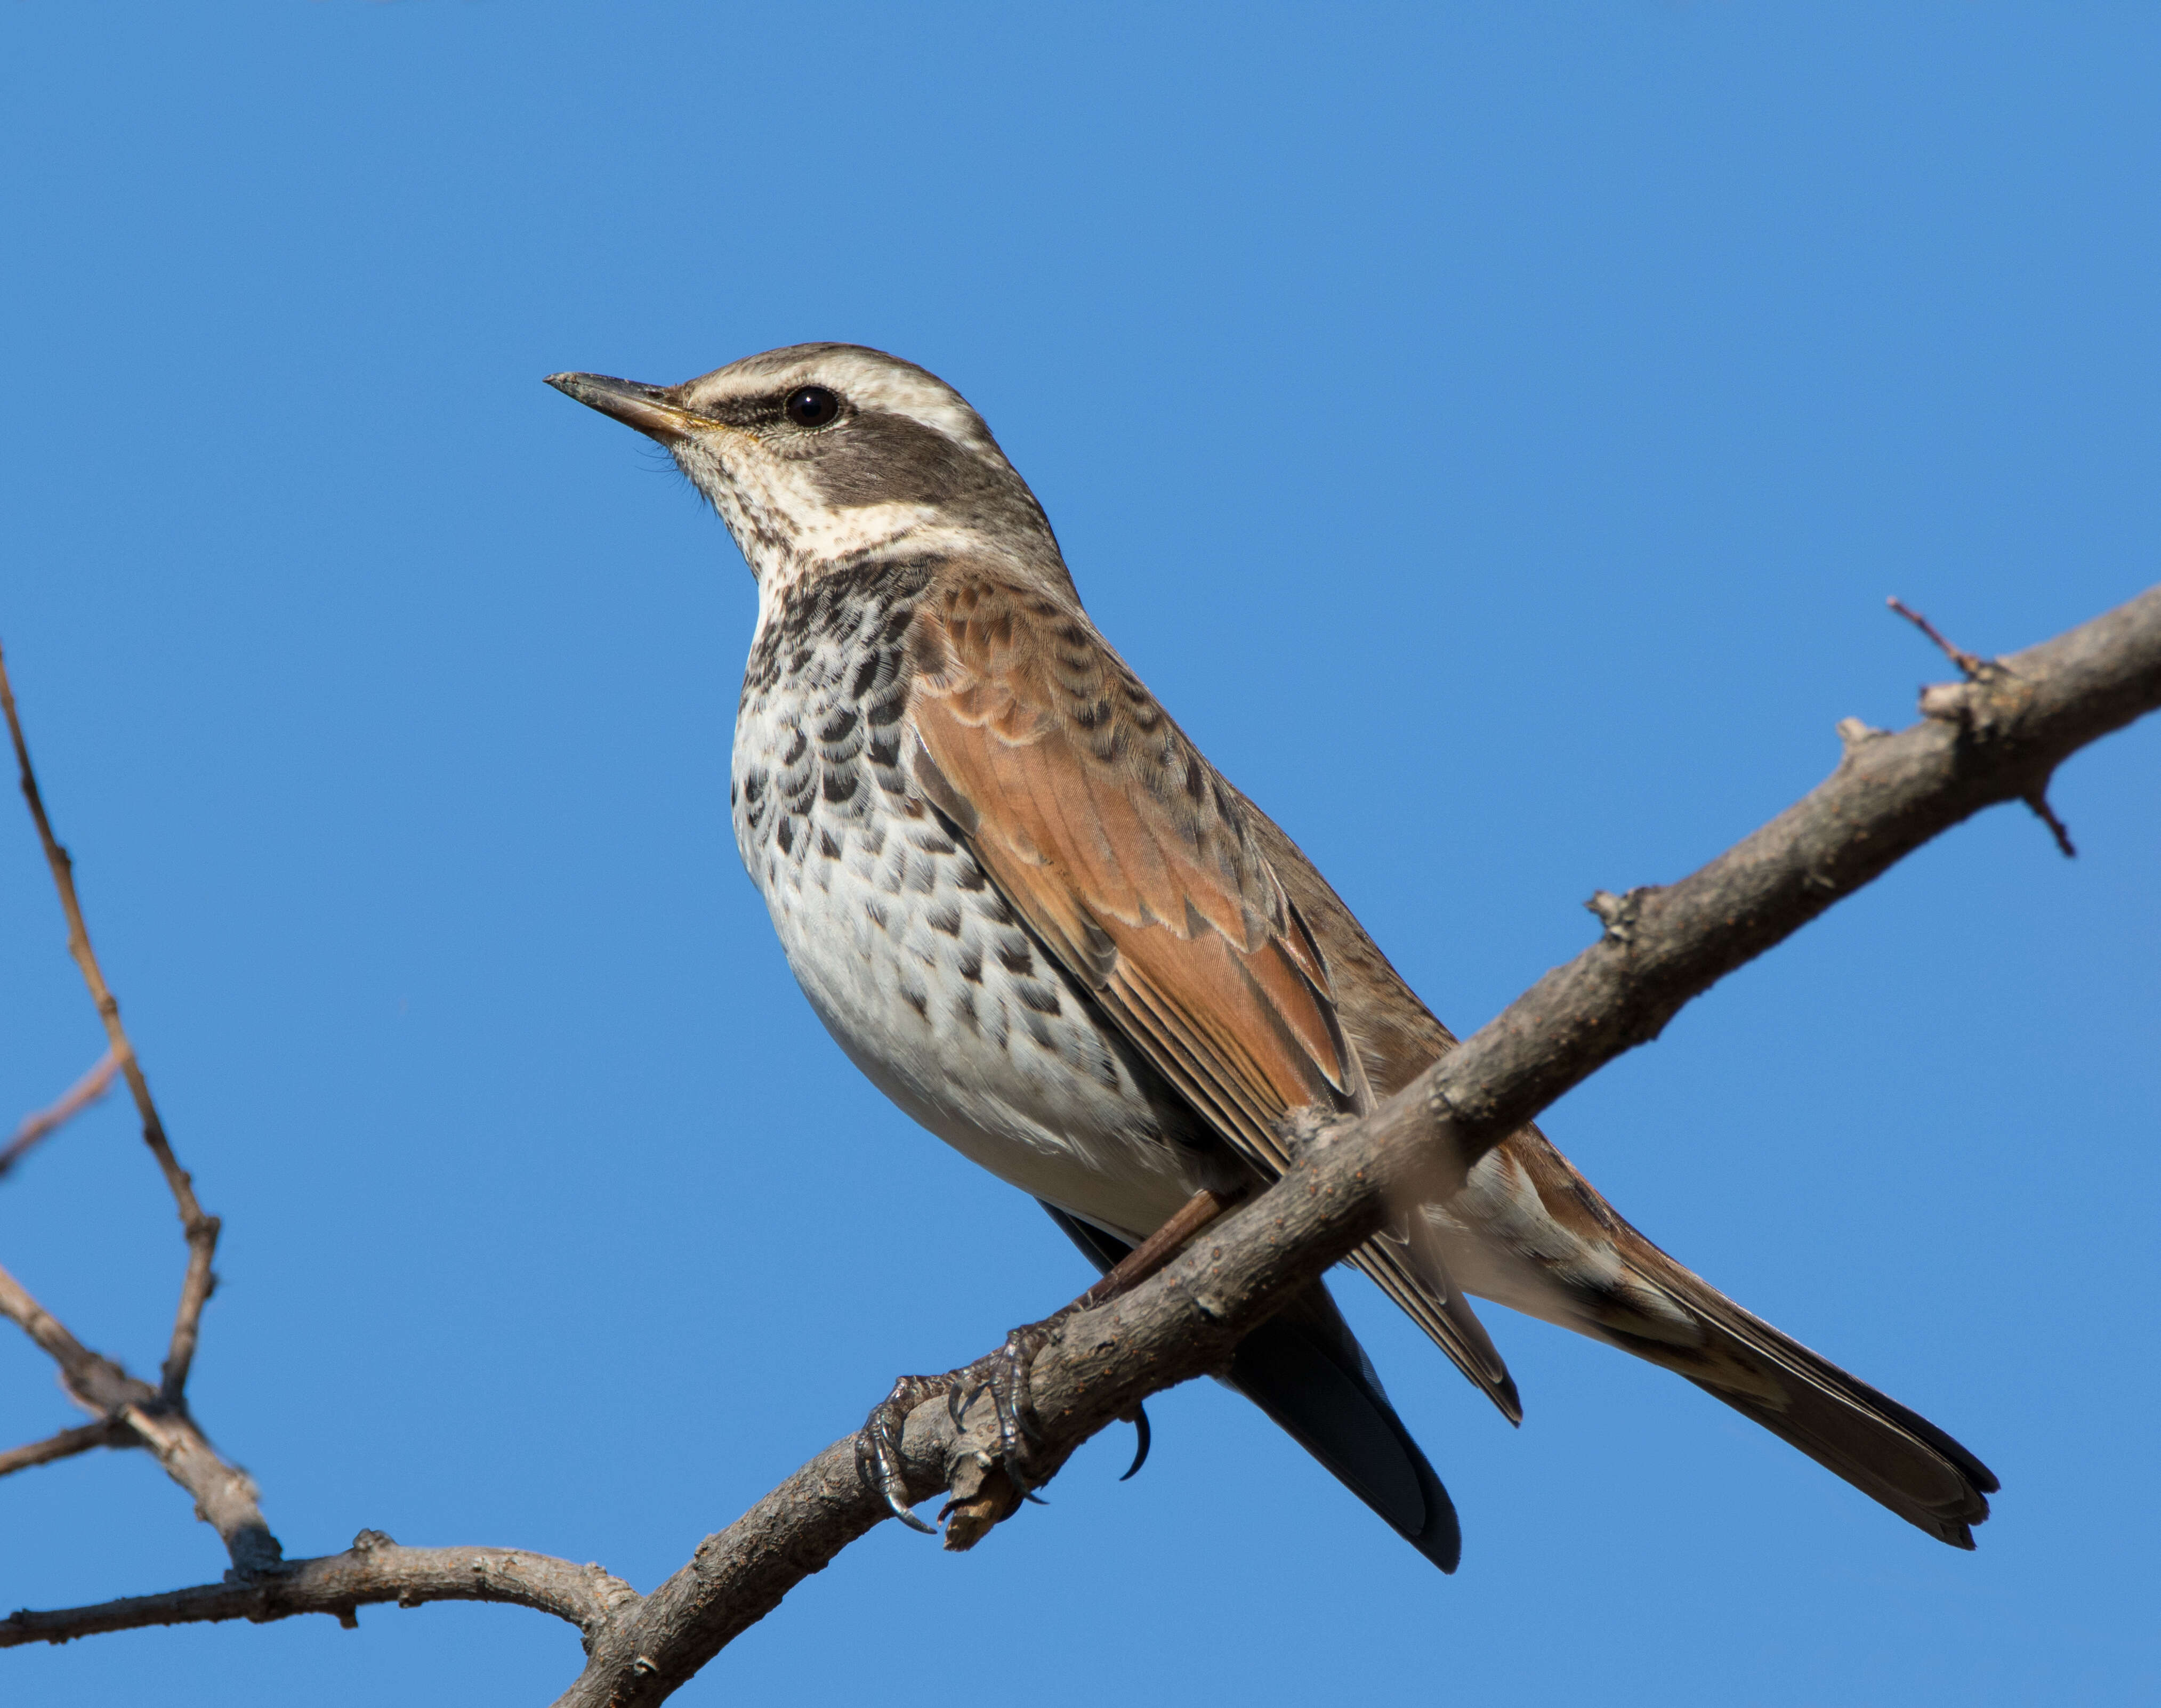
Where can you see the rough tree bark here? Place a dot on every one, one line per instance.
(1997, 736)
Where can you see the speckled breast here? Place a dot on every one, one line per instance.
(908, 953)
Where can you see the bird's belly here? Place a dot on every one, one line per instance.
(926, 977)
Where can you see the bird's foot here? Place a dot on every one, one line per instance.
(1003, 1375)
(878, 1446)
(992, 1467)
(1000, 1479)
(987, 1484)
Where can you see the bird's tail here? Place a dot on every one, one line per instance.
(1889, 1453)
(1531, 1233)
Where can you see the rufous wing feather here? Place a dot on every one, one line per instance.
(1140, 869)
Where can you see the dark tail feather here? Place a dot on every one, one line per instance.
(1320, 1388)
(1897, 1466)
(1305, 1369)
(1891, 1454)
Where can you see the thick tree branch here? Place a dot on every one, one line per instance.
(1997, 736)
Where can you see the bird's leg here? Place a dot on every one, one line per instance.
(1157, 1249)
(1003, 1374)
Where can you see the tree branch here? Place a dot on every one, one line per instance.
(1998, 736)
(374, 1570)
(134, 1413)
(156, 1418)
(200, 1230)
(65, 1445)
(41, 1125)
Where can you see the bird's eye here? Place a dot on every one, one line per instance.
(811, 405)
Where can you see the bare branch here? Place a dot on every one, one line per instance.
(1992, 739)
(93, 1381)
(138, 1414)
(1969, 665)
(45, 1122)
(1995, 737)
(226, 1498)
(131, 1412)
(65, 1445)
(374, 1570)
(200, 1229)
(196, 1286)
(1988, 670)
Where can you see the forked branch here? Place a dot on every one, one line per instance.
(200, 1230)
(131, 1412)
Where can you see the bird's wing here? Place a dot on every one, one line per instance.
(1137, 868)
(1530, 1232)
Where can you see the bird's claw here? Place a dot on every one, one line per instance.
(1004, 1377)
(878, 1447)
(1138, 1419)
(1007, 1380)
(959, 1397)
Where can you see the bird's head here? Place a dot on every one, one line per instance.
(820, 453)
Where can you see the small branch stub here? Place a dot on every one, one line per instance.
(2039, 801)
(983, 1497)
(1987, 699)
(1619, 913)
(1854, 732)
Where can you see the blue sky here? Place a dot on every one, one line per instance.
(1493, 431)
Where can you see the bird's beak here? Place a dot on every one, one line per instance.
(651, 409)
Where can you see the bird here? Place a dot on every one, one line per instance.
(1029, 908)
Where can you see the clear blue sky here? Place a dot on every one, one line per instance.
(1493, 430)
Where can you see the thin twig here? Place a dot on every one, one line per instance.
(374, 1570)
(45, 1122)
(66, 1444)
(200, 1229)
(1970, 666)
(2039, 801)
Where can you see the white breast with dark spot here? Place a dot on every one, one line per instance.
(909, 955)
